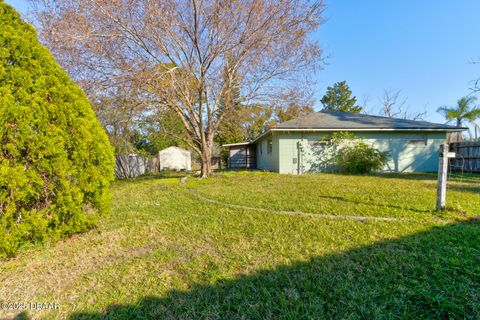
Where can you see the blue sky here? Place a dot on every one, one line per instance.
(422, 47)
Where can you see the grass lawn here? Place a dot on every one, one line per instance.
(202, 250)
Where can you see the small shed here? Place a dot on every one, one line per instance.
(175, 158)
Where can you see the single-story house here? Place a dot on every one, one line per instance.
(295, 146)
(175, 158)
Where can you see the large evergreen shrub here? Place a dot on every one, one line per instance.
(56, 163)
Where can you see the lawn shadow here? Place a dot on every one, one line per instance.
(379, 205)
(407, 176)
(471, 189)
(156, 176)
(452, 176)
(471, 180)
(22, 316)
(464, 177)
(429, 275)
(387, 175)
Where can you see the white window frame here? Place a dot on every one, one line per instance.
(416, 140)
(269, 146)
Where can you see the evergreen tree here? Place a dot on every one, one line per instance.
(339, 98)
(56, 163)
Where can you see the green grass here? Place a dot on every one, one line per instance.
(392, 195)
(166, 254)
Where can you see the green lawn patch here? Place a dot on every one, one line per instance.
(165, 254)
(389, 195)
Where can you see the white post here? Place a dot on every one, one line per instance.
(442, 177)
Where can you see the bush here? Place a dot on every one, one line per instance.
(360, 157)
(56, 163)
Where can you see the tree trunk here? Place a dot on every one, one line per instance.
(206, 158)
(459, 134)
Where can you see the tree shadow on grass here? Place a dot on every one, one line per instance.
(430, 275)
(374, 204)
(472, 181)
(155, 176)
(22, 316)
(472, 189)
(407, 176)
(452, 176)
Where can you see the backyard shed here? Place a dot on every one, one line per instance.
(301, 146)
(175, 158)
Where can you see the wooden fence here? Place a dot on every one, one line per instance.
(132, 166)
(467, 158)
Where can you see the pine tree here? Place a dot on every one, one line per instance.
(56, 163)
(339, 98)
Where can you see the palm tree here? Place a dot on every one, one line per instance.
(463, 111)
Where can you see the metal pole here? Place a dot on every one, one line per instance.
(442, 177)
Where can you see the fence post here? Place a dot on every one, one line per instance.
(442, 176)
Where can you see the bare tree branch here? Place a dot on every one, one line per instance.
(175, 51)
(394, 106)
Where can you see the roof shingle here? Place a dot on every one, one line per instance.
(336, 120)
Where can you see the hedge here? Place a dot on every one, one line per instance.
(56, 163)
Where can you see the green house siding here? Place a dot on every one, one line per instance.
(266, 160)
(289, 152)
(404, 156)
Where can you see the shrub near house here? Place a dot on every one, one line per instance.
(354, 155)
(56, 163)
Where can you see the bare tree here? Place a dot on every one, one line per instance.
(182, 54)
(364, 104)
(118, 111)
(293, 101)
(476, 82)
(393, 106)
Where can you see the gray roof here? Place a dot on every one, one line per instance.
(336, 120)
(346, 121)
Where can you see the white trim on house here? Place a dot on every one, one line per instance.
(365, 129)
(261, 136)
(236, 144)
(344, 129)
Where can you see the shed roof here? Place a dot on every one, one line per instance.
(175, 148)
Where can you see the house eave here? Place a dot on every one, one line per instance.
(348, 129)
(261, 136)
(371, 129)
(236, 144)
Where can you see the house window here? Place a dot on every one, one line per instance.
(269, 146)
(317, 143)
(416, 140)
